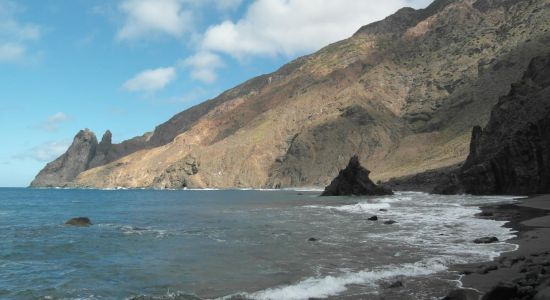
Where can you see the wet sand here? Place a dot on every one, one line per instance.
(521, 274)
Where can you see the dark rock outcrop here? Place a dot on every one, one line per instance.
(373, 218)
(64, 169)
(503, 291)
(462, 294)
(86, 153)
(393, 285)
(512, 154)
(354, 180)
(79, 221)
(178, 175)
(486, 240)
(102, 150)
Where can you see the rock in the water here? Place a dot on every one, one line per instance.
(396, 284)
(354, 180)
(487, 269)
(373, 218)
(486, 240)
(312, 239)
(80, 221)
(389, 222)
(382, 209)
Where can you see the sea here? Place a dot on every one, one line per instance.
(238, 244)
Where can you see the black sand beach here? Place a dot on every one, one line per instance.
(521, 274)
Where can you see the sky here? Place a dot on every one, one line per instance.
(129, 65)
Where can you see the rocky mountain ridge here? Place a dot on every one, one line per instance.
(511, 155)
(402, 93)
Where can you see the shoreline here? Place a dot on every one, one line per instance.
(521, 273)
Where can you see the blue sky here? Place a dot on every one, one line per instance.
(129, 65)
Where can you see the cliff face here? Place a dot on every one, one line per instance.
(402, 93)
(63, 170)
(512, 154)
(86, 153)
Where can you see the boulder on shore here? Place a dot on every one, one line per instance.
(486, 240)
(354, 180)
(80, 221)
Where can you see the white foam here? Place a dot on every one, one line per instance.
(131, 230)
(305, 189)
(362, 207)
(436, 225)
(135, 230)
(334, 285)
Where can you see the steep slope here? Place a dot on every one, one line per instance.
(402, 93)
(86, 153)
(511, 155)
(64, 169)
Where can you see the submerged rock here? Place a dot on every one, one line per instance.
(79, 221)
(373, 218)
(389, 222)
(487, 269)
(486, 240)
(312, 239)
(394, 285)
(354, 180)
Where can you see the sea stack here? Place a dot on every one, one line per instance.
(354, 180)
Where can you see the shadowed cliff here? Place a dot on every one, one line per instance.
(511, 155)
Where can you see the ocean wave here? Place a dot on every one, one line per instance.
(305, 189)
(323, 287)
(136, 230)
(168, 296)
(354, 208)
(437, 225)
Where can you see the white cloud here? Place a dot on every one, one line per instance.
(204, 66)
(220, 5)
(14, 35)
(53, 122)
(146, 18)
(150, 80)
(291, 27)
(11, 52)
(228, 4)
(45, 152)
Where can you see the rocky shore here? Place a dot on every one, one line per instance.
(521, 274)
